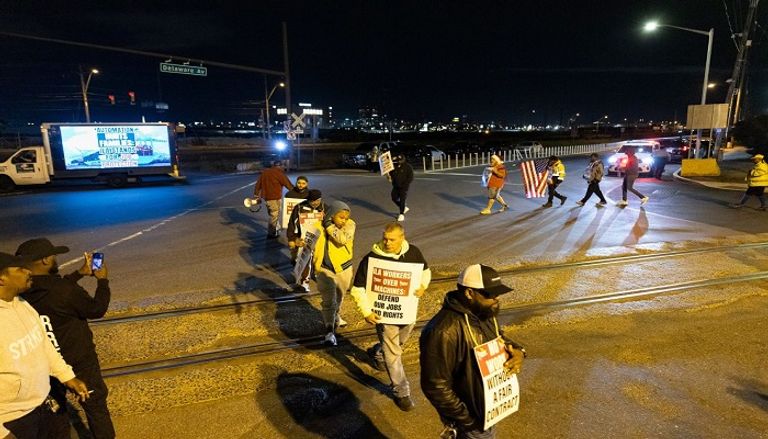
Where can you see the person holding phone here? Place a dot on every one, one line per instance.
(64, 308)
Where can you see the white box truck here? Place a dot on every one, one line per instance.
(113, 153)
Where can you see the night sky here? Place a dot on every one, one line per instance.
(426, 60)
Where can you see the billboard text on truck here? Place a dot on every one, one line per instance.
(115, 146)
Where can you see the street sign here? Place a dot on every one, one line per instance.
(183, 69)
(290, 135)
(298, 121)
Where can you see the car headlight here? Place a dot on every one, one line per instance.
(612, 159)
(646, 161)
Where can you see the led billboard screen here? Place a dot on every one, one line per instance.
(115, 146)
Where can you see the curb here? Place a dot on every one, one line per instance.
(714, 185)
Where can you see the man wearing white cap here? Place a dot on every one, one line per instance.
(757, 180)
(450, 376)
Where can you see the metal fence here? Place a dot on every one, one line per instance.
(465, 160)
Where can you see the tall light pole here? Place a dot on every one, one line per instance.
(653, 25)
(266, 104)
(84, 83)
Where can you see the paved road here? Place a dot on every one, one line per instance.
(187, 243)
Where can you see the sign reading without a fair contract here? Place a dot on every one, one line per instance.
(183, 69)
(391, 286)
(501, 389)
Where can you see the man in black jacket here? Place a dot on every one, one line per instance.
(450, 375)
(401, 178)
(64, 308)
(313, 206)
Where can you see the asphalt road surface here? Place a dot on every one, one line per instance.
(188, 243)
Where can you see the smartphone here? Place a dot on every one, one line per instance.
(97, 260)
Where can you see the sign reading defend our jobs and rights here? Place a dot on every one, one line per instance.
(391, 286)
(502, 391)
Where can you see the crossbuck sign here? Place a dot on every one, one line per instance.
(298, 121)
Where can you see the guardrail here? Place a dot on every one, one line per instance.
(464, 160)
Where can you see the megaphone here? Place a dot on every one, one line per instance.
(253, 204)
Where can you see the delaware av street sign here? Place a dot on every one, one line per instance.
(183, 69)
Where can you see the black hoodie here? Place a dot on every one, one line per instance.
(450, 377)
(64, 307)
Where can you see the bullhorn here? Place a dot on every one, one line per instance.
(253, 204)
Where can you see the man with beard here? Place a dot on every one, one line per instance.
(450, 375)
(27, 362)
(64, 308)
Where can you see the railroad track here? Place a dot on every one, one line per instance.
(293, 297)
(346, 337)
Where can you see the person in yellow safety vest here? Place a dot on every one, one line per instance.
(556, 176)
(757, 180)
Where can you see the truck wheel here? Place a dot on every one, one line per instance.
(6, 184)
(116, 180)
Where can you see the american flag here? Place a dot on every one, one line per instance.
(534, 174)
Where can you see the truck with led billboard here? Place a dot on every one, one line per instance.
(115, 153)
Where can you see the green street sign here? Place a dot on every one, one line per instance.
(183, 69)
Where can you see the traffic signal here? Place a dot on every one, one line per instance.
(111, 99)
(132, 95)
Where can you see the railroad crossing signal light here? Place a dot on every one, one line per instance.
(111, 99)
(132, 95)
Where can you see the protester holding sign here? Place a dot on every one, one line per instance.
(496, 178)
(301, 190)
(382, 290)
(468, 365)
(401, 178)
(309, 211)
(332, 259)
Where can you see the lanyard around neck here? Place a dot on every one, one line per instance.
(472, 335)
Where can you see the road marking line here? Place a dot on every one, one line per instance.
(159, 224)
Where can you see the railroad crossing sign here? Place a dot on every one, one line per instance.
(183, 69)
(298, 121)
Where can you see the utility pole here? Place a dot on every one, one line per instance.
(736, 88)
(287, 67)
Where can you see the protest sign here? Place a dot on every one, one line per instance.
(385, 163)
(501, 389)
(287, 208)
(391, 286)
(307, 219)
(304, 257)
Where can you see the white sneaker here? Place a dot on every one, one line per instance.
(644, 200)
(330, 339)
(622, 203)
(406, 209)
(342, 322)
(401, 217)
(305, 285)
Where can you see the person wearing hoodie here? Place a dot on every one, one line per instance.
(498, 175)
(631, 169)
(332, 261)
(388, 352)
(450, 374)
(65, 307)
(401, 178)
(27, 362)
(269, 186)
(312, 206)
(556, 176)
(757, 180)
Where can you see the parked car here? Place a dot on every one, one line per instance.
(362, 156)
(532, 146)
(431, 152)
(643, 150)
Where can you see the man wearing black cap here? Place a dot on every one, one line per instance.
(450, 375)
(64, 308)
(27, 361)
(311, 209)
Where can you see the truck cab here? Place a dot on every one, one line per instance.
(26, 166)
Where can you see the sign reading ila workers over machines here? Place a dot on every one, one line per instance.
(183, 69)
(391, 286)
(501, 389)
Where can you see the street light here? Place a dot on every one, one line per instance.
(653, 25)
(266, 104)
(84, 83)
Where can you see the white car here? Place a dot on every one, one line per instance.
(435, 153)
(532, 147)
(643, 150)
